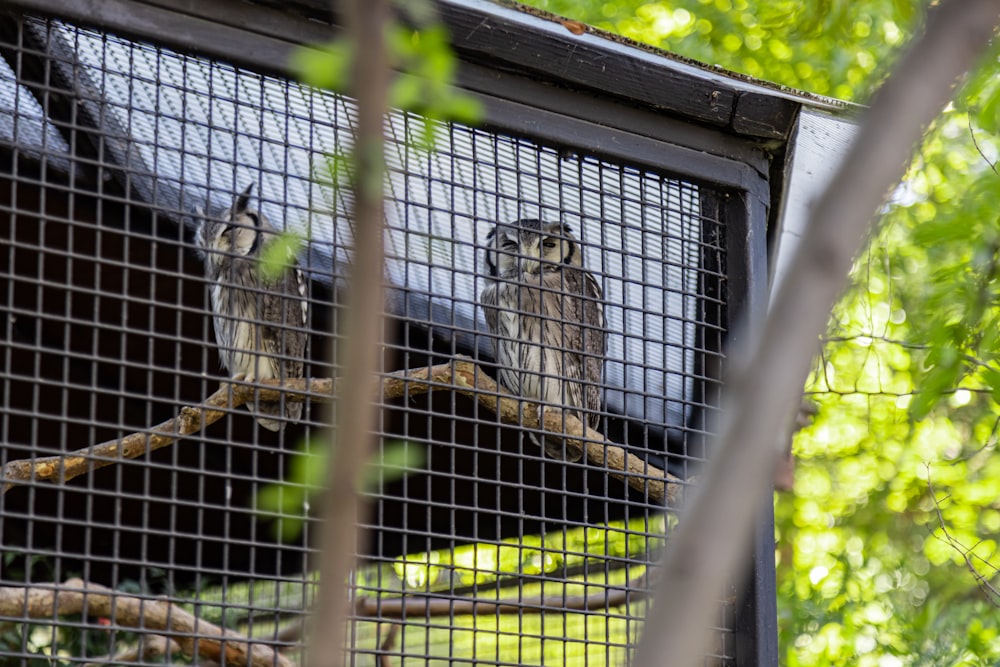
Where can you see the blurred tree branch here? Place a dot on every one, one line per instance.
(766, 376)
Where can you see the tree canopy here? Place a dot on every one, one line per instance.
(885, 547)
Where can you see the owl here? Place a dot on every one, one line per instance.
(259, 320)
(547, 317)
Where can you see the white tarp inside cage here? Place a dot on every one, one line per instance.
(204, 130)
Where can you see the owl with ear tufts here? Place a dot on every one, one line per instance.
(547, 319)
(260, 320)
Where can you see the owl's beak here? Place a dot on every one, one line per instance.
(530, 258)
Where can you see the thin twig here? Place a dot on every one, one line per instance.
(195, 636)
(982, 581)
(459, 376)
(972, 133)
(353, 439)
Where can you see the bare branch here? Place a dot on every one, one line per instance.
(767, 374)
(65, 467)
(147, 649)
(387, 644)
(366, 23)
(437, 605)
(195, 636)
(972, 133)
(460, 376)
(982, 581)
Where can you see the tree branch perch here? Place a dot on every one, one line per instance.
(194, 636)
(427, 605)
(460, 376)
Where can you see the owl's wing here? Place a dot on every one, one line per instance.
(595, 345)
(284, 315)
(488, 299)
(593, 311)
(583, 315)
(584, 333)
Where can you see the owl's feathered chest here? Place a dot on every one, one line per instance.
(549, 335)
(527, 301)
(233, 292)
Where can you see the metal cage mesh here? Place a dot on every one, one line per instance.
(108, 148)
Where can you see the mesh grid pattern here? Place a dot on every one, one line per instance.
(108, 148)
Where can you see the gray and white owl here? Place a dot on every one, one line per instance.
(547, 317)
(260, 322)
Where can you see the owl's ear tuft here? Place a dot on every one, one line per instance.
(243, 200)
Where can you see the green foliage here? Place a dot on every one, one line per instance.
(287, 502)
(424, 83)
(512, 570)
(838, 48)
(897, 480)
(279, 253)
(425, 66)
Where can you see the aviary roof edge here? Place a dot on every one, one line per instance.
(742, 81)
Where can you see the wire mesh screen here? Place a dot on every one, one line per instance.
(122, 164)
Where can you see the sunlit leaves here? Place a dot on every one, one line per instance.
(835, 47)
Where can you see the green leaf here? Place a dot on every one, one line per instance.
(326, 66)
(279, 254)
(395, 460)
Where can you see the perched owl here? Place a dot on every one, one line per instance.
(547, 317)
(259, 321)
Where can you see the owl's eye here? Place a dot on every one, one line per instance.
(509, 245)
(548, 244)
